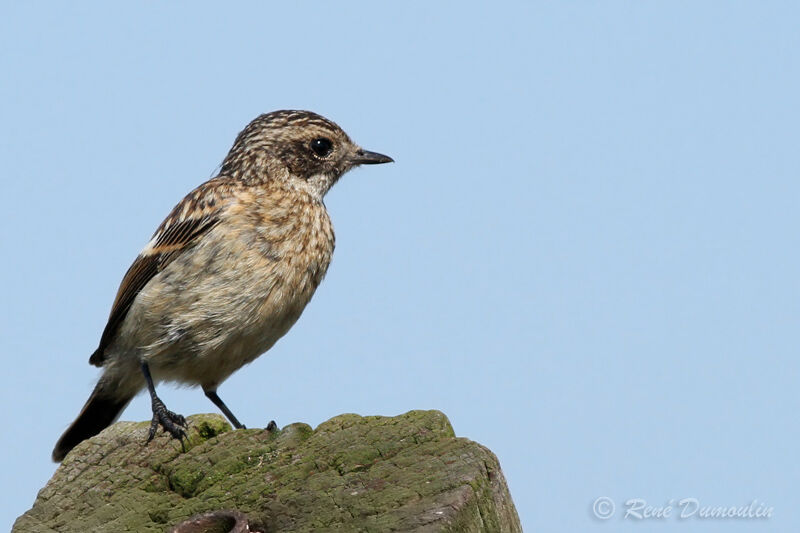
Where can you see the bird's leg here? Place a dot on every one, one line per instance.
(171, 422)
(212, 395)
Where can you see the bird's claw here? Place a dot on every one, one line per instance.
(172, 423)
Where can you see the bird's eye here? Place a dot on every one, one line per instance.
(321, 146)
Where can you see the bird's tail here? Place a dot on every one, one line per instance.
(101, 410)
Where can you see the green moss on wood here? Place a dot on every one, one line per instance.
(403, 473)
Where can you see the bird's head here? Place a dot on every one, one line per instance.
(301, 146)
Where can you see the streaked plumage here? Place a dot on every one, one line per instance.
(227, 273)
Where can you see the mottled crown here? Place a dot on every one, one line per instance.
(287, 136)
(295, 146)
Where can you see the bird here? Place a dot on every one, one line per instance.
(225, 275)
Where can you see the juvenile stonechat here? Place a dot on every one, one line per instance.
(226, 274)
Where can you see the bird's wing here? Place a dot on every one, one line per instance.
(195, 215)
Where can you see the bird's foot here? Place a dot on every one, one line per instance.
(172, 423)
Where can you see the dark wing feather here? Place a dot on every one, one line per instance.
(191, 218)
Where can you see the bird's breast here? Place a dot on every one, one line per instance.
(294, 237)
(231, 297)
(288, 247)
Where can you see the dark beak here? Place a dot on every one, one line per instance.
(363, 157)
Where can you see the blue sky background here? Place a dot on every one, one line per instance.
(586, 254)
